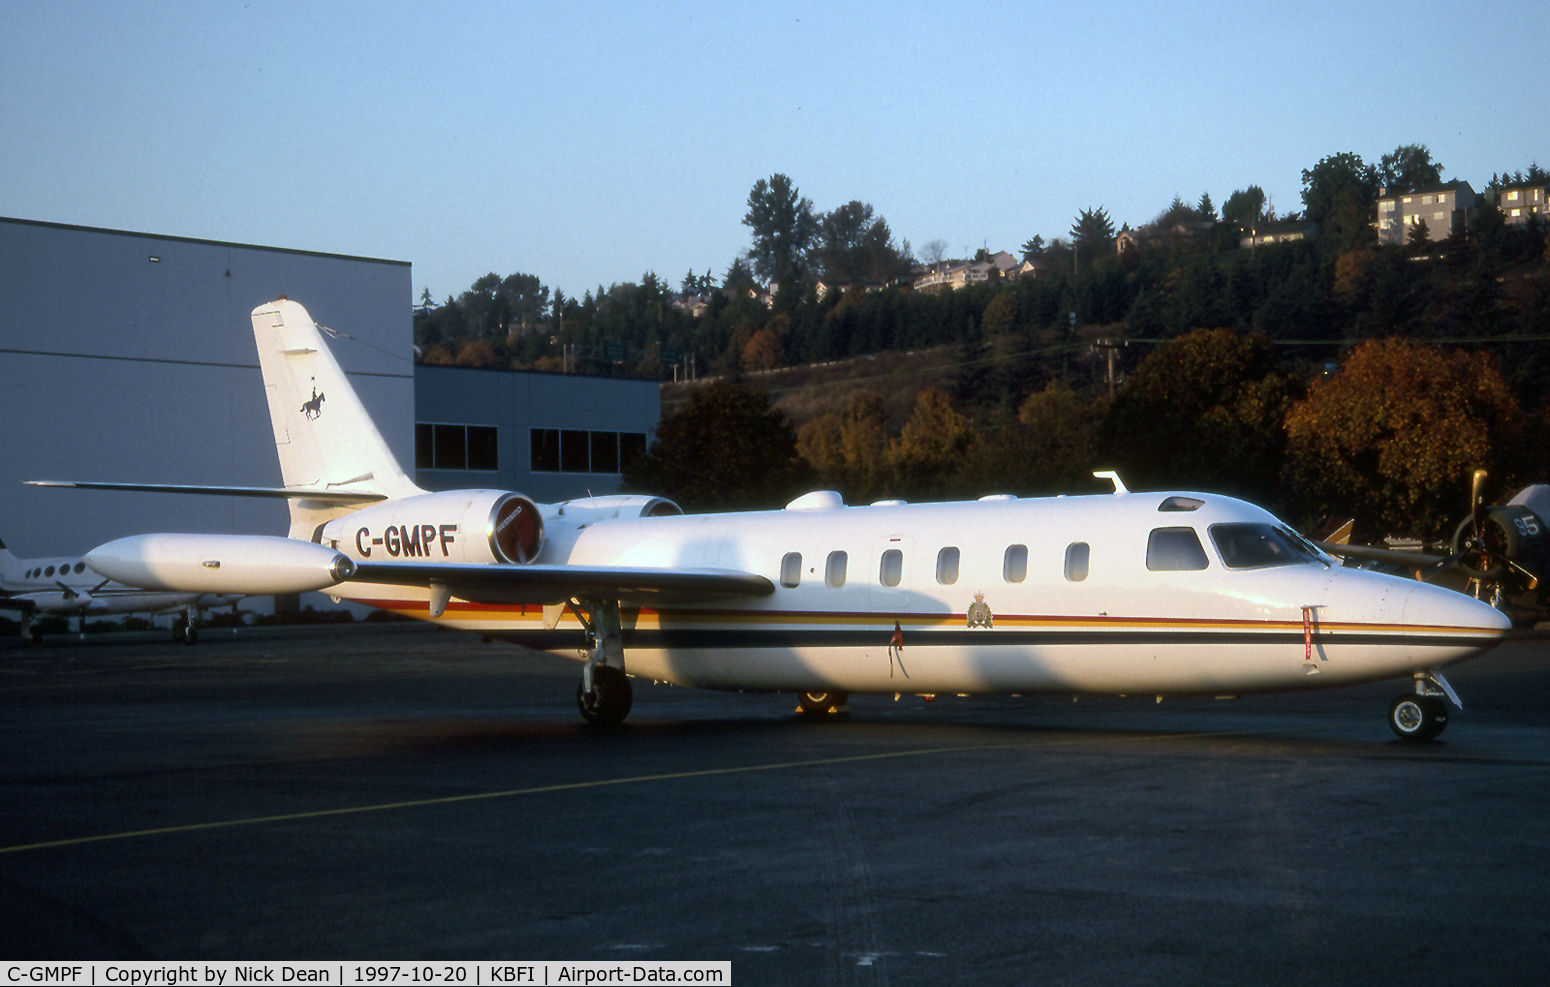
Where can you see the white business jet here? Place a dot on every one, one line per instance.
(1131, 593)
(68, 587)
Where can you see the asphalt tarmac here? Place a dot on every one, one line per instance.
(394, 792)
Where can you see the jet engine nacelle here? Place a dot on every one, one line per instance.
(483, 526)
(253, 565)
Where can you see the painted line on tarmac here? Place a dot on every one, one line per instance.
(543, 790)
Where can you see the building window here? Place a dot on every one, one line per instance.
(545, 456)
(456, 447)
(569, 450)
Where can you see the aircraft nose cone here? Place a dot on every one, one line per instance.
(1444, 625)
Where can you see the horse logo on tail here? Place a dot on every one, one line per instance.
(314, 408)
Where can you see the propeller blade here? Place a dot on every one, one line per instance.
(1476, 499)
(1533, 580)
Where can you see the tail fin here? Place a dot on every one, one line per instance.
(324, 436)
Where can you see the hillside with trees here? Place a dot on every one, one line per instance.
(1215, 350)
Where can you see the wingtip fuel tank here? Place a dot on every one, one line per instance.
(254, 565)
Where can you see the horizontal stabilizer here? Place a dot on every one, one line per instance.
(282, 493)
(558, 583)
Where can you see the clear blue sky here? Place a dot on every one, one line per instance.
(589, 143)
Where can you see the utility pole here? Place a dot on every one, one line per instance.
(1109, 346)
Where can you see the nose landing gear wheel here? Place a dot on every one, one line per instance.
(1418, 718)
(609, 701)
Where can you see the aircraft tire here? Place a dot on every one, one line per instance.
(1418, 718)
(818, 703)
(610, 700)
(190, 634)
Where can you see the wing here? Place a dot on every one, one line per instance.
(557, 583)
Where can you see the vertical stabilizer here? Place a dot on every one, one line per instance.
(325, 438)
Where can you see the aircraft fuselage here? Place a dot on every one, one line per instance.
(1135, 593)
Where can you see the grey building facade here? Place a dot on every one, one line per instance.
(128, 356)
(550, 436)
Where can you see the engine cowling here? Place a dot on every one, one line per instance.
(484, 526)
(249, 565)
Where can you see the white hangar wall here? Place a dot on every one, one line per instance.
(126, 356)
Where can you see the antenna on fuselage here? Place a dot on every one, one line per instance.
(1119, 485)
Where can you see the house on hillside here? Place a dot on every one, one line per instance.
(1264, 236)
(869, 285)
(1519, 203)
(954, 275)
(1443, 208)
(1146, 237)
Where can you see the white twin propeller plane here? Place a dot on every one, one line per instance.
(1130, 593)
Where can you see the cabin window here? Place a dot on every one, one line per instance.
(1255, 546)
(947, 566)
(80, 567)
(791, 569)
(49, 571)
(1014, 564)
(1076, 561)
(1174, 550)
(834, 569)
(891, 569)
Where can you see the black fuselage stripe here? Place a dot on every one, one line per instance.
(808, 637)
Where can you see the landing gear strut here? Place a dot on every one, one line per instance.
(1422, 715)
(603, 695)
(184, 628)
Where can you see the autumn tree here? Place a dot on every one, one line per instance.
(926, 456)
(847, 451)
(1204, 411)
(1393, 437)
(763, 351)
(727, 449)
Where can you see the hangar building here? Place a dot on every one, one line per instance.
(130, 357)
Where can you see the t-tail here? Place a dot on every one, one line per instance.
(325, 438)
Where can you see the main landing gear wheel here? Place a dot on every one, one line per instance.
(1418, 718)
(609, 701)
(818, 703)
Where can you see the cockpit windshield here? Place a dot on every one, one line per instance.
(1256, 546)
